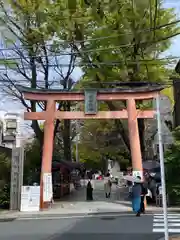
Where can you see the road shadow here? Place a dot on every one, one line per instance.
(102, 228)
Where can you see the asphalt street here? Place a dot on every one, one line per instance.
(117, 225)
(112, 227)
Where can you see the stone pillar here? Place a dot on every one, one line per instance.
(46, 165)
(19, 139)
(136, 157)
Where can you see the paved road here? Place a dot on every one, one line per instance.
(117, 227)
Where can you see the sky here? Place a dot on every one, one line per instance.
(175, 47)
(174, 50)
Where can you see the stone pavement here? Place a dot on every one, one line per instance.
(76, 203)
(100, 203)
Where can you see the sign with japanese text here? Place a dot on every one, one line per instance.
(90, 101)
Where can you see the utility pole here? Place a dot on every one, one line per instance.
(77, 137)
(77, 142)
(161, 156)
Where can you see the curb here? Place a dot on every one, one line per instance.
(97, 213)
(172, 237)
(77, 215)
(7, 219)
(86, 214)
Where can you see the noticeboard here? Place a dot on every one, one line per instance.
(47, 187)
(30, 198)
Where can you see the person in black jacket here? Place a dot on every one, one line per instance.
(144, 191)
(89, 191)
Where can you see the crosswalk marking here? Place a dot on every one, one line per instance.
(162, 230)
(169, 215)
(169, 224)
(173, 223)
(169, 220)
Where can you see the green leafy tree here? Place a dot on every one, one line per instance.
(114, 41)
(32, 162)
(99, 141)
(5, 177)
(138, 33)
(33, 58)
(172, 163)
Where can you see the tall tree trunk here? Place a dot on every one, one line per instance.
(67, 134)
(67, 140)
(38, 132)
(141, 126)
(120, 127)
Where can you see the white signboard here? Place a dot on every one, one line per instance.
(138, 174)
(30, 198)
(47, 187)
(121, 174)
(160, 190)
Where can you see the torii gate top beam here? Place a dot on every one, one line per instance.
(115, 94)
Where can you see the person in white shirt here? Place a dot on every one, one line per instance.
(107, 185)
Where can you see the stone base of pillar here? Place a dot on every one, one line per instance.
(45, 206)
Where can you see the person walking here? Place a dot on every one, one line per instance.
(107, 185)
(144, 191)
(136, 198)
(152, 187)
(89, 191)
(129, 184)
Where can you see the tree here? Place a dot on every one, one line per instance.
(138, 33)
(5, 176)
(112, 40)
(32, 56)
(172, 163)
(169, 93)
(32, 162)
(99, 141)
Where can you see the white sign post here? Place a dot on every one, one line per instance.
(161, 156)
(138, 174)
(47, 187)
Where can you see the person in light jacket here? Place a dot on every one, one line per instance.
(107, 185)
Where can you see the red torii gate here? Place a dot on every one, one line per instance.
(131, 113)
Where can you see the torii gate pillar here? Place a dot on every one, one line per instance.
(136, 156)
(46, 165)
